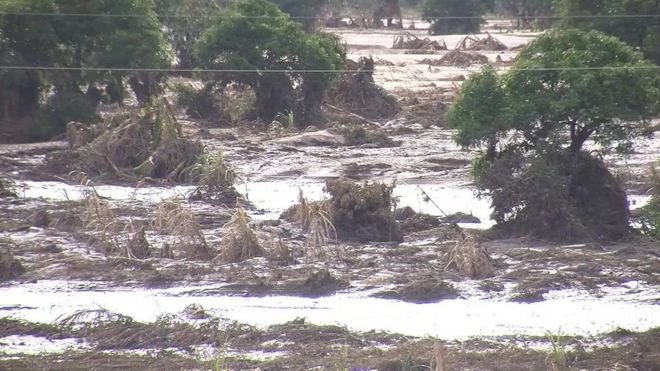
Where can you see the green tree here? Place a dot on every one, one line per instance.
(638, 27)
(185, 21)
(467, 12)
(565, 88)
(254, 35)
(77, 42)
(527, 11)
(302, 11)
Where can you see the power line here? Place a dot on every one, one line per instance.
(128, 15)
(258, 71)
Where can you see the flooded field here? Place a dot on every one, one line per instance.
(340, 306)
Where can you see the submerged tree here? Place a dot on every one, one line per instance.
(304, 12)
(453, 16)
(565, 88)
(633, 21)
(257, 45)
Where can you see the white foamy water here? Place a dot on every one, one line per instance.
(571, 312)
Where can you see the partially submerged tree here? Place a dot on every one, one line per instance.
(453, 16)
(257, 45)
(633, 21)
(565, 88)
(304, 12)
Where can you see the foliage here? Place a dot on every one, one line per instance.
(534, 121)
(650, 218)
(185, 21)
(62, 108)
(302, 11)
(526, 11)
(76, 42)
(638, 31)
(435, 11)
(271, 43)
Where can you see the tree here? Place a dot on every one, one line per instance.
(185, 21)
(565, 88)
(632, 21)
(467, 12)
(526, 11)
(254, 35)
(77, 43)
(302, 11)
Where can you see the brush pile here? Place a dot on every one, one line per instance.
(10, 268)
(140, 143)
(239, 242)
(469, 257)
(315, 219)
(409, 41)
(457, 58)
(357, 92)
(473, 42)
(6, 189)
(174, 219)
(362, 212)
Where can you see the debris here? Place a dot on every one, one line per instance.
(408, 40)
(473, 42)
(457, 58)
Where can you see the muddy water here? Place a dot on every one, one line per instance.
(568, 312)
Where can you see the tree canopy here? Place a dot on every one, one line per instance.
(436, 11)
(77, 42)
(638, 27)
(255, 35)
(587, 84)
(565, 87)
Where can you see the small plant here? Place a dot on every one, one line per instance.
(214, 179)
(650, 218)
(98, 217)
(240, 242)
(286, 119)
(557, 360)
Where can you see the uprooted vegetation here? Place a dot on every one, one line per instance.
(468, 256)
(558, 196)
(175, 219)
(362, 212)
(457, 58)
(10, 268)
(239, 241)
(357, 92)
(354, 212)
(409, 41)
(650, 215)
(473, 42)
(6, 189)
(224, 106)
(356, 135)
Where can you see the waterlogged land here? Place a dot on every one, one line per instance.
(335, 305)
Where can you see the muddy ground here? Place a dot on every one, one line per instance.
(544, 306)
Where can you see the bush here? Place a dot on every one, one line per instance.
(552, 195)
(362, 212)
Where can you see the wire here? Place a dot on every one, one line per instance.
(111, 15)
(176, 70)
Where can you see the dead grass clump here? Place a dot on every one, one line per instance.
(214, 179)
(363, 212)
(145, 143)
(112, 331)
(322, 282)
(408, 40)
(457, 58)
(98, 218)
(473, 42)
(469, 257)
(10, 268)
(173, 218)
(411, 221)
(421, 291)
(356, 135)
(358, 93)
(240, 242)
